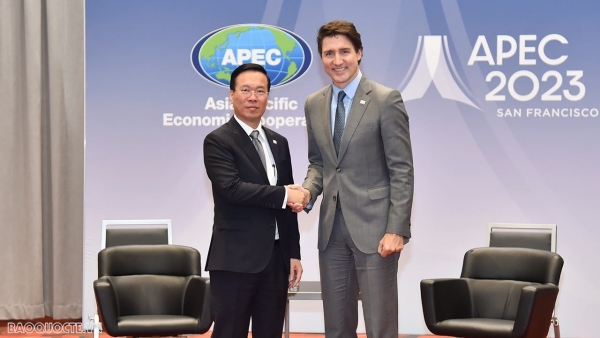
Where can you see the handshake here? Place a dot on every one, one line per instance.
(298, 197)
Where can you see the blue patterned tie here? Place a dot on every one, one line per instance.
(340, 122)
(258, 146)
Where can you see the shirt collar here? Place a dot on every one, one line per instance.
(249, 129)
(350, 89)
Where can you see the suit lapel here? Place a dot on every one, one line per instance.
(325, 106)
(357, 110)
(243, 140)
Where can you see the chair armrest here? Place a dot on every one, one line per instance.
(107, 303)
(535, 310)
(444, 299)
(196, 301)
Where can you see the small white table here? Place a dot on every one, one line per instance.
(309, 290)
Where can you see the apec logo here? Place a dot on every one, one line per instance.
(433, 65)
(285, 55)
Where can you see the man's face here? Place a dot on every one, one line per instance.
(250, 107)
(340, 60)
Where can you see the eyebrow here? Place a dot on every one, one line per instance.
(340, 49)
(248, 87)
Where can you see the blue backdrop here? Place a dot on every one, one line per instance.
(503, 99)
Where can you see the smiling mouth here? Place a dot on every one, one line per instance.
(339, 69)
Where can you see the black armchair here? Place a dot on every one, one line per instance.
(502, 293)
(152, 290)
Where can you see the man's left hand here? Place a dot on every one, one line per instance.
(295, 272)
(390, 243)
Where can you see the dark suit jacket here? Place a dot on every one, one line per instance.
(246, 205)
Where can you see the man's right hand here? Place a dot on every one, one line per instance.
(292, 202)
(294, 196)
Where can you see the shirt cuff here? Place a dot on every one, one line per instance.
(284, 199)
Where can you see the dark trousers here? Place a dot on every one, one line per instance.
(236, 297)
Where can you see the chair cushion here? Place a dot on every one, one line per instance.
(116, 237)
(174, 260)
(156, 325)
(477, 327)
(521, 239)
(518, 264)
(495, 299)
(149, 294)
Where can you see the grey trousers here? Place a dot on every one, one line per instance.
(345, 271)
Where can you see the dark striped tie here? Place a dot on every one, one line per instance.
(340, 122)
(258, 146)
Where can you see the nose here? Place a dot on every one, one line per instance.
(337, 59)
(253, 96)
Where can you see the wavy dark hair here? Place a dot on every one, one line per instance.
(339, 27)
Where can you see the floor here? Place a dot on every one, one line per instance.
(71, 329)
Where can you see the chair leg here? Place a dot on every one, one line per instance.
(554, 322)
(97, 325)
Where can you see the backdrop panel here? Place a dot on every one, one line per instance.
(502, 97)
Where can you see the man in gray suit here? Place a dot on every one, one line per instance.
(361, 161)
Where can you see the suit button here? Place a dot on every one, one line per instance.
(338, 169)
(334, 198)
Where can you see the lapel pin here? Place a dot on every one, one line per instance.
(362, 101)
(274, 141)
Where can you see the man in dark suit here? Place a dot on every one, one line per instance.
(360, 159)
(254, 255)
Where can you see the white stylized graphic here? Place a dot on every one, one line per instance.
(433, 64)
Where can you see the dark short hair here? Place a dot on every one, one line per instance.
(248, 67)
(339, 27)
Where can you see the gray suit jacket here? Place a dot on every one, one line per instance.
(373, 174)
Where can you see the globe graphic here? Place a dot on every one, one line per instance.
(251, 37)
